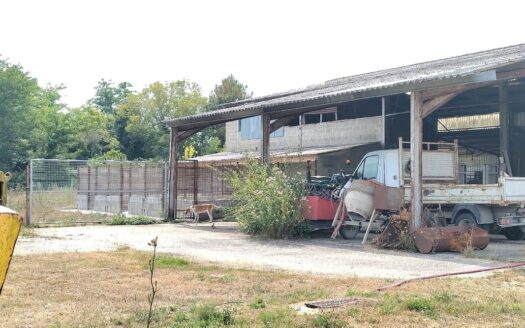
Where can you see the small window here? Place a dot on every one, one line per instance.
(328, 117)
(371, 167)
(250, 128)
(312, 118)
(294, 122)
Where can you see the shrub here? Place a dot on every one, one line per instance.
(135, 220)
(268, 204)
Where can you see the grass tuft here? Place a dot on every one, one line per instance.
(164, 261)
(327, 320)
(136, 220)
(28, 232)
(207, 315)
(421, 305)
(257, 303)
(367, 293)
(306, 294)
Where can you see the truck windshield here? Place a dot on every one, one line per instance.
(370, 167)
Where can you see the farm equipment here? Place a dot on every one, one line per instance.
(9, 230)
(321, 200)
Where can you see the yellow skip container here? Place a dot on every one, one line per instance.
(9, 229)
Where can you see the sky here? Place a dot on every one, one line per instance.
(269, 45)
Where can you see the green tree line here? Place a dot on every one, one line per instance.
(118, 123)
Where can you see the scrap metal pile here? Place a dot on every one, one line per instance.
(326, 187)
(398, 233)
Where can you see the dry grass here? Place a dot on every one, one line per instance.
(110, 289)
(54, 207)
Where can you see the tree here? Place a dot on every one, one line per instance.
(17, 94)
(50, 130)
(143, 133)
(211, 140)
(89, 135)
(108, 96)
(229, 90)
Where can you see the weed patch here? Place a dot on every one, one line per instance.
(208, 315)
(389, 304)
(367, 293)
(327, 320)
(306, 295)
(164, 261)
(257, 303)
(136, 220)
(28, 232)
(421, 305)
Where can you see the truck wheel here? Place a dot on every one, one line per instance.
(513, 233)
(466, 219)
(348, 231)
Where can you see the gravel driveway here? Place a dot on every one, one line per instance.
(225, 244)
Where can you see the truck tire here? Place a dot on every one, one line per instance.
(466, 219)
(348, 231)
(513, 233)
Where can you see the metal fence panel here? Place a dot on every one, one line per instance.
(86, 191)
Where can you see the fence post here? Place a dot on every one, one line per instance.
(164, 191)
(29, 192)
(195, 181)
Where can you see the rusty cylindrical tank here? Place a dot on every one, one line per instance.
(452, 238)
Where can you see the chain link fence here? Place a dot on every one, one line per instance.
(81, 191)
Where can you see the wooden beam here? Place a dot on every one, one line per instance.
(172, 185)
(416, 157)
(275, 125)
(265, 140)
(183, 135)
(504, 122)
(435, 103)
(383, 123)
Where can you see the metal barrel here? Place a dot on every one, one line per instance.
(452, 238)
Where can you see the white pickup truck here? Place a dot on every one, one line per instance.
(497, 207)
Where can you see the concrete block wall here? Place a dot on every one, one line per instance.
(82, 202)
(328, 134)
(136, 205)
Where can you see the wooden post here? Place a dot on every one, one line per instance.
(29, 193)
(504, 125)
(383, 122)
(172, 186)
(195, 182)
(416, 157)
(265, 140)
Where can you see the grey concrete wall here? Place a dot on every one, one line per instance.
(337, 133)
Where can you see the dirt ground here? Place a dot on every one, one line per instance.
(110, 289)
(225, 244)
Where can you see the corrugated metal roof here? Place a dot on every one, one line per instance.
(390, 81)
(276, 155)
